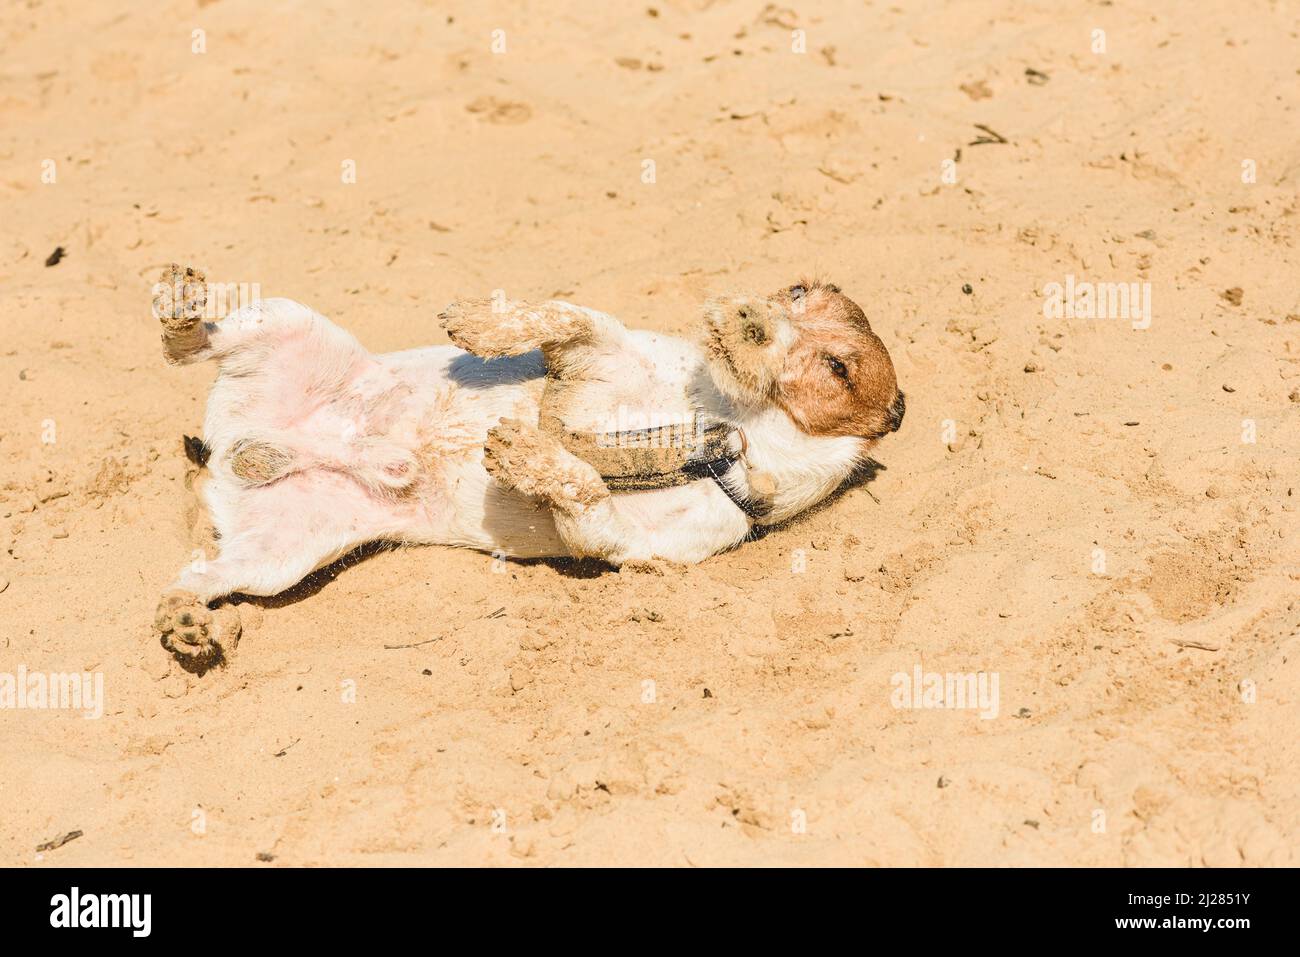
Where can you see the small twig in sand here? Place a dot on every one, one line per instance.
(993, 136)
(58, 842)
(415, 644)
(285, 750)
(1189, 643)
(499, 613)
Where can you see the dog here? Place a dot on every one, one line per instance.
(314, 447)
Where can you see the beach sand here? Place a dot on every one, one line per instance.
(1100, 513)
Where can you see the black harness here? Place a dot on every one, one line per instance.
(754, 508)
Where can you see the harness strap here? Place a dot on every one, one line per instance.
(755, 509)
(639, 460)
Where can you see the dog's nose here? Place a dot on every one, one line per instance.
(896, 410)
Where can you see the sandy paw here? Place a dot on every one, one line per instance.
(521, 457)
(480, 327)
(179, 305)
(193, 632)
(512, 455)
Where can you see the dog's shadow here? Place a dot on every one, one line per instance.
(316, 580)
(581, 568)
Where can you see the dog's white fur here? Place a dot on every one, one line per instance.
(317, 446)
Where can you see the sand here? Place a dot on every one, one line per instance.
(1101, 516)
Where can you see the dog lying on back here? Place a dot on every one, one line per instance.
(314, 446)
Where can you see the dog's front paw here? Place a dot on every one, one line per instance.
(514, 456)
(482, 327)
(193, 632)
(522, 458)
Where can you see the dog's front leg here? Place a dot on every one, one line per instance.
(523, 458)
(491, 328)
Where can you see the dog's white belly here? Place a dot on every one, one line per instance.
(454, 398)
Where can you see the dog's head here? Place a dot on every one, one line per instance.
(810, 350)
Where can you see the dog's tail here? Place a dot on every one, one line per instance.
(196, 450)
(384, 467)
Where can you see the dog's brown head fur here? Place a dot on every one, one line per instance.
(810, 349)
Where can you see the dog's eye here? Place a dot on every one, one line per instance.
(797, 292)
(838, 368)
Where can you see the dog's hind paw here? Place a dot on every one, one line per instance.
(195, 633)
(179, 304)
(181, 297)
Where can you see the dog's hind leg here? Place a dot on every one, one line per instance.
(180, 304)
(271, 538)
